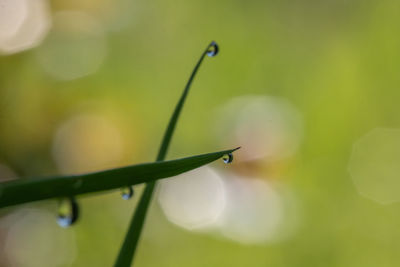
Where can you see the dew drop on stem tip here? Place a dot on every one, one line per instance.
(213, 49)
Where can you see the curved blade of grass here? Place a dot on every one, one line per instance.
(174, 118)
(27, 190)
(131, 240)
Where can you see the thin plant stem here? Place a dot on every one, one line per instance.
(129, 246)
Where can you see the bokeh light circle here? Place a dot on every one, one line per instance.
(34, 237)
(75, 48)
(23, 24)
(374, 165)
(254, 210)
(193, 200)
(85, 143)
(265, 127)
(247, 210)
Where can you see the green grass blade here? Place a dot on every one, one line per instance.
(174, 118)
(128, 249)
(27, 190)
(131, 240)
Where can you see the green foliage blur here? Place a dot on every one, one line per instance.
(337, 62)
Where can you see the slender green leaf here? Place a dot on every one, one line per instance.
(131, 240)
(174, 118)
(27, 190)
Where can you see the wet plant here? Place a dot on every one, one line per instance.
(129, 246)
(65, 188)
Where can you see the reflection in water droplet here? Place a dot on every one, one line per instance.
(127, 192)
(213, 49)
(68, 212)
(228, 158)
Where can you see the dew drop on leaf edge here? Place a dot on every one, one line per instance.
(68, 212)
(228, 158)
(127, 192)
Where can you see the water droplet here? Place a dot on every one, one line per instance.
(127, 192)
(68, 212)
(228, 158)
(213, 49)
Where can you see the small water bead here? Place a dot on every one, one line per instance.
(68, 212)
(228, 158)
(213, 49)
(127, 192)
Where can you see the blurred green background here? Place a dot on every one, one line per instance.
(309, 89)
